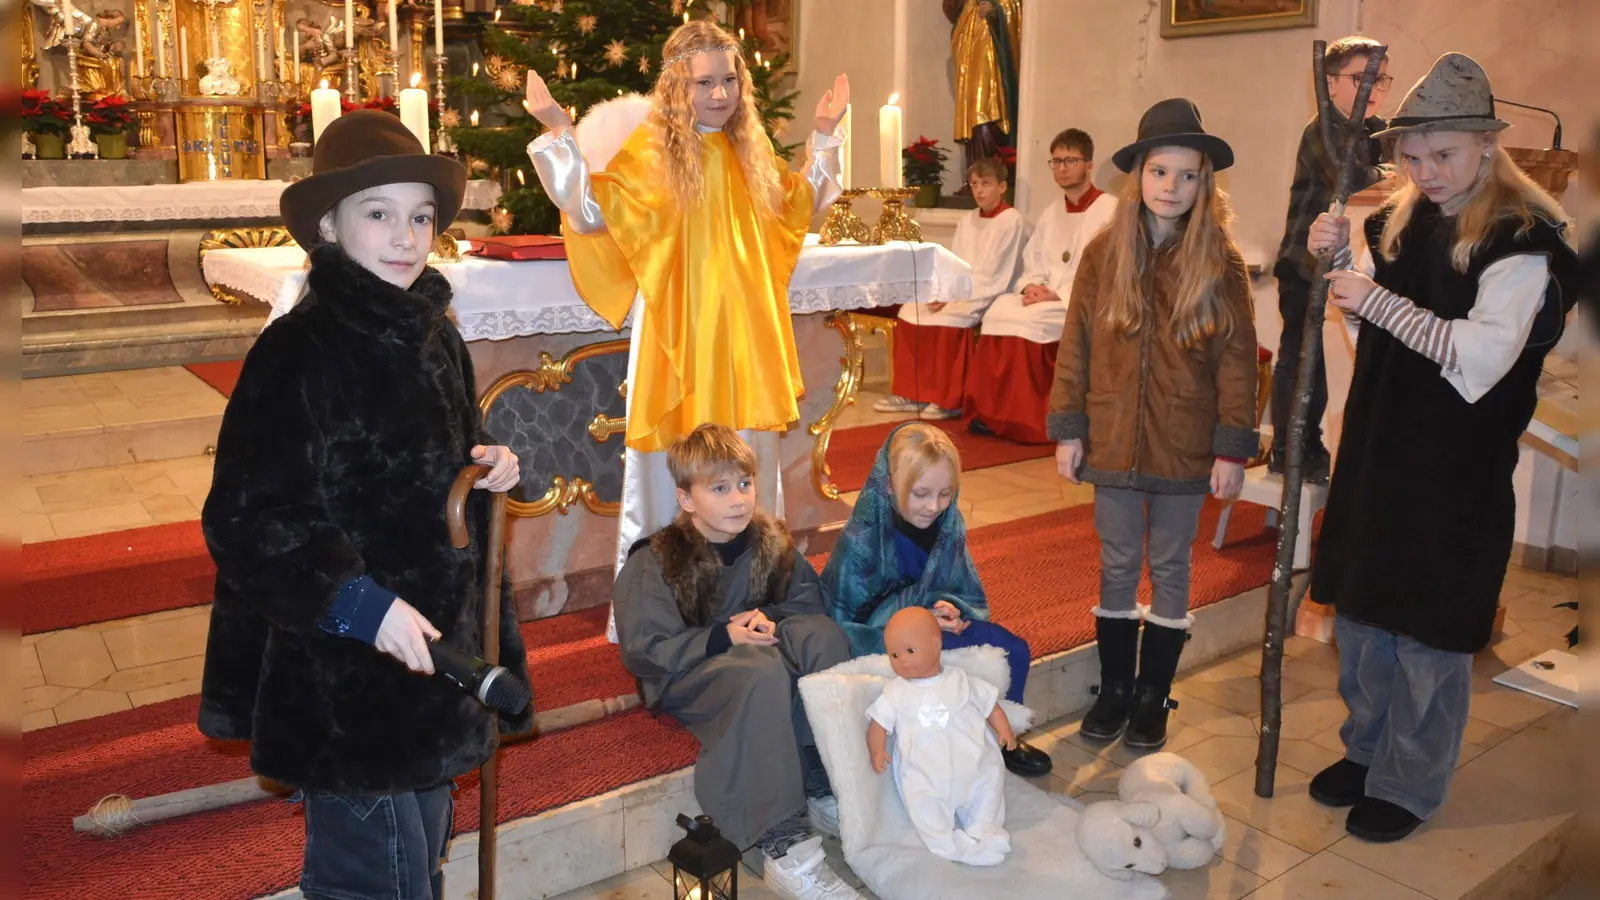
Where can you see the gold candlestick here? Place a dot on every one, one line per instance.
(842, 223)
(894, 224)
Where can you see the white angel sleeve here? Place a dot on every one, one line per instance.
(565, 176)
(827, 169)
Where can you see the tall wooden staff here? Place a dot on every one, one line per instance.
(1294, 471)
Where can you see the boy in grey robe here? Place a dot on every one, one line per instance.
(718, 615)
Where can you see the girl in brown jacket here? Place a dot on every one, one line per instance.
(1154, 402)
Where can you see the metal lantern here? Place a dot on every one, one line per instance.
(705, 865)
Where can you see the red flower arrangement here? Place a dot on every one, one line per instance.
(1008, 156)
(923, 162)
(44, 114)
(110, 115)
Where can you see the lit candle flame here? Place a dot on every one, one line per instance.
(767, 64)
(572, 113)
(741, 34)
(416, 78)
(475, 74)
(894, 98)
(685, 17)
(474, 118)
(526, 107)
(521, 180)
(497, 16)
(574, 69)
(758, 57)
(324, 84)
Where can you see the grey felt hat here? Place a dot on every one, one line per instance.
(1453, 96)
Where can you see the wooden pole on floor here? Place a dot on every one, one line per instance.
(1294, 470)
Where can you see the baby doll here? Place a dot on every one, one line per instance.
(947, 764)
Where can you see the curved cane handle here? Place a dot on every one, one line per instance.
(455, 508)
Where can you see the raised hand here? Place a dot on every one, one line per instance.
(830, 109)
(544, 107)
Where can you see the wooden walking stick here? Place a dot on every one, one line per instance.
(493, 558)
(1294, 469)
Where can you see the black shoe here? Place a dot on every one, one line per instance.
(1342, 784)
(1147, 727)
(976, 426)
(1277, 460)
(1317, 466)
(1027, 760)
(1108, 718)
(1119, 659)
(1380, 821)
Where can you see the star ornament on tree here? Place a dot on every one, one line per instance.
(501, 219)
(508, 79)
(586, 24)
(449, 119)
(616, 53)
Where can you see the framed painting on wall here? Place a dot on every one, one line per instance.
(1192, 18)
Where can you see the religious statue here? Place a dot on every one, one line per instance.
(770, 22)
(99, 51)
(320, 48)
(985, 47)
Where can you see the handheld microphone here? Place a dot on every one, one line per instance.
(494, 686)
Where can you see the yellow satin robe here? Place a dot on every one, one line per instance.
(718, 338)
(979, 98)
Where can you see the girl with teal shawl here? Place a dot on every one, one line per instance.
(906, 545)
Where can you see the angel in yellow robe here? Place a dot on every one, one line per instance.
(678, 212)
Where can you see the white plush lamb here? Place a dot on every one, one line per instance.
(1116, 838)
(1191, 828)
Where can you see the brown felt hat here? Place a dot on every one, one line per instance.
(365, 149)
(1453, 96)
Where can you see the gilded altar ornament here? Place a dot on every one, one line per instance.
(844, 394)
(550, 376)
(239, 238)
(893, 223)
(91, 42)
(842, 223)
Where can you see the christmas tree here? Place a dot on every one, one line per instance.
(588, 51)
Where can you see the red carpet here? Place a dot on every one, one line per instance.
(78, 581)
(253, 850)
(1042, 575)
(221, 375)
(852, 451)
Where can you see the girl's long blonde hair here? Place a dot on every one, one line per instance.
(1502, 191)
(675, 121)
(1205, 254)
(915, 449)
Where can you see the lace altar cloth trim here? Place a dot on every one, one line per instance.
(195, 201)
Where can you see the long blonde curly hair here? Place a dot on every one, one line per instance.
(1502, 191)
(674, 119)
(1205, 254)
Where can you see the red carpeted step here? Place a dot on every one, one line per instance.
(78, 581)
(223, 376)
(852, 451)
(253, 850)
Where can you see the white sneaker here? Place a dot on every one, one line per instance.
(824, 812)
(803, 874)
(934, 411)
(894, 403)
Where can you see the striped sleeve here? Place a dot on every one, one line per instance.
(1415, 327)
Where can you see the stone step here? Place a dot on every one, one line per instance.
(84, 341)
(89, 421)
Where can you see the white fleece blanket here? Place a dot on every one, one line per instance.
(883, 848)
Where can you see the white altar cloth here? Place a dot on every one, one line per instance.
(197, 200)
(496, 300)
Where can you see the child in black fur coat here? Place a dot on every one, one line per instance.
(353, 414)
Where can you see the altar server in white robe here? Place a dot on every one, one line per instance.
(1008, 386)
(934, 341)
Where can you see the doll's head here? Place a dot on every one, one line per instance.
(704, 81)
(913, 641)
(924, 472)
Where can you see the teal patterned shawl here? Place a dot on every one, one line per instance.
(864, 569)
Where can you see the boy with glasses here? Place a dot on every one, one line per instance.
(1314, 176)
(1008, 381)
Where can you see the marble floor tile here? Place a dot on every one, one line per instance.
(1209, 717)
(30, 674)
(34, 528)
(1310, 714)
(1485, 735)
(111, 517)
(43, 718)
(1077, 766)
(156, 642)
(1329, 877)
(87, 704)
(1259, 852)
(45, 697)
(1290, 815)
(164, 692)
(1221, 758)
(75, 659)
(1220, 880)
(171, 508)
(155, 675)
(1504, 707)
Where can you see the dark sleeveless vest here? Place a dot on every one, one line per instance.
(1418, 528)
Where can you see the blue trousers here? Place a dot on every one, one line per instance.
(979, 632)
(371, 846)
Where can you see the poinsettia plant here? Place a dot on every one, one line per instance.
(110, 115)
(44, 114)
(923, 162)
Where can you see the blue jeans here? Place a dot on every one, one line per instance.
(376, 846)
(1408, 708)
(979, 632)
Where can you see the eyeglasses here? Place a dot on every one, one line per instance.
(1383, 83)
(1061, 162)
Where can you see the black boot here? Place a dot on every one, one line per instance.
(1158, 665)
(1119, 642)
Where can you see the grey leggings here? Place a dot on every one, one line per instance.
(1126, 520)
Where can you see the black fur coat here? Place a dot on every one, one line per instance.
(352, 416)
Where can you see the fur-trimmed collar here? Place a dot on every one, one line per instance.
(373, 306)
(691, 566)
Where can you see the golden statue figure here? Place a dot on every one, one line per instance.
(985, 46)
(99, 52)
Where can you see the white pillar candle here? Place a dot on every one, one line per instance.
(183, 52)
(414, 110)
(159, 46)
(889, 172)
(438, 27)
(324, 109)
(138, 46)
(394, 31)
(211, 27)
(261, 56)
(846, 150)
(349, 24)
(66, 18)
(294, 64)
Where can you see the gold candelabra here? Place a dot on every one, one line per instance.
(894, 224)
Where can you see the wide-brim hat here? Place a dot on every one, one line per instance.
(365, 149)
(1174, 123)
(1453, 96)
